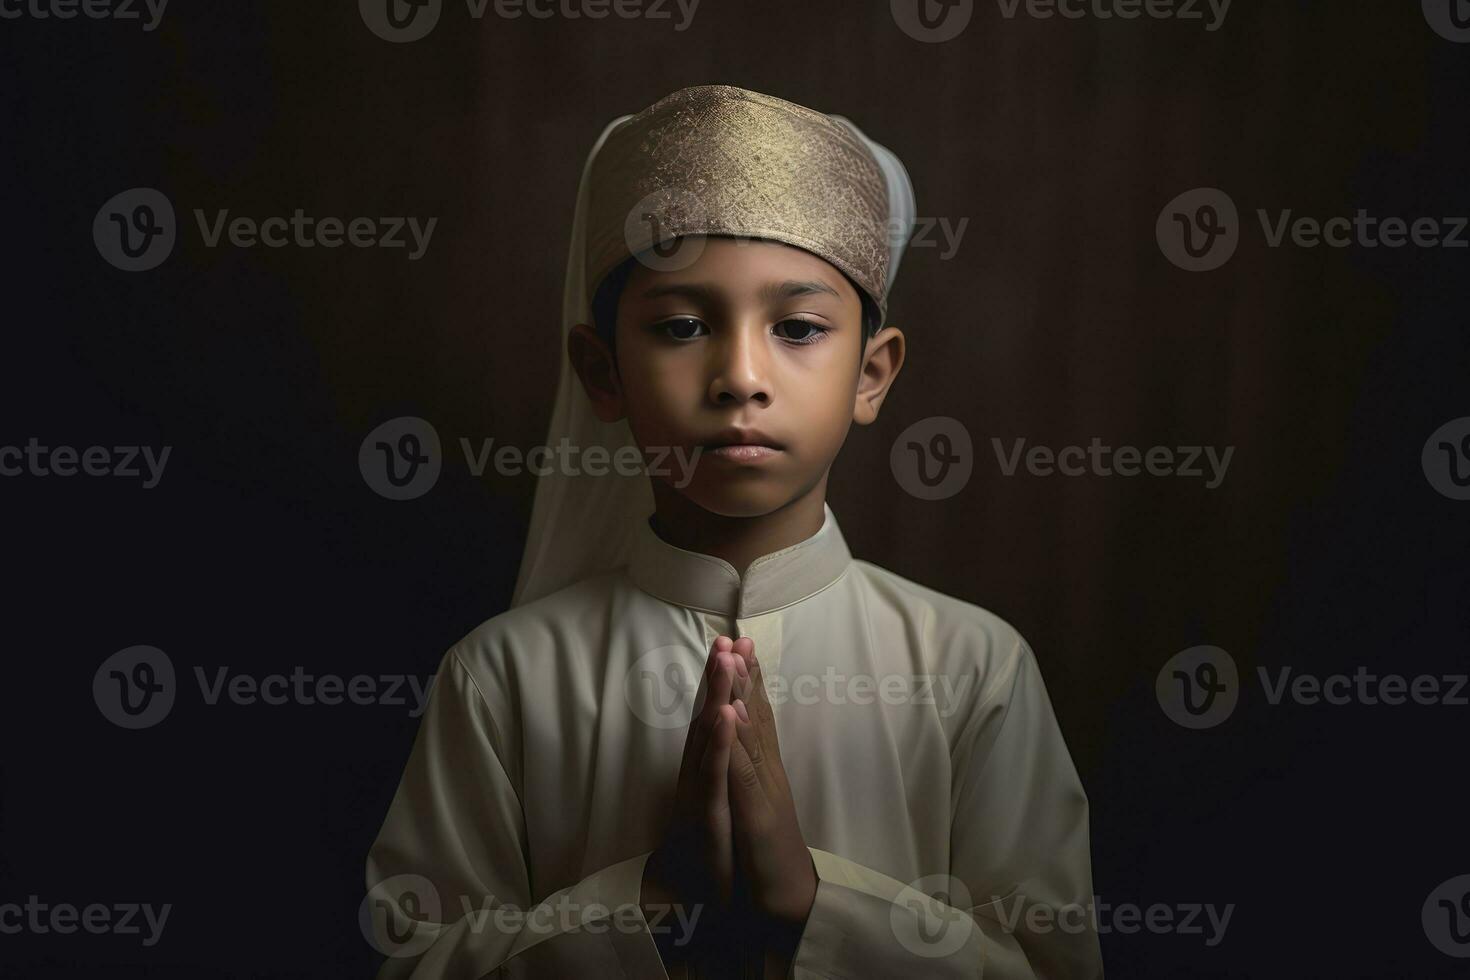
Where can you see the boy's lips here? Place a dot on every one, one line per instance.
(742, 445)
(735, 436)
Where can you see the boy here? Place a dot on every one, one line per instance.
(866, 779)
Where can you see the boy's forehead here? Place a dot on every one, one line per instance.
(738, 265)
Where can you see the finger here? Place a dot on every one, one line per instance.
(763, 721)
(714, 768)
(747, 736)
(714, 775)
(747, 798)
(719, 698)
(762, 715)
(695, 741)
(742, 672)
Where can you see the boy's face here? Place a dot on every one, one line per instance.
(753, 343)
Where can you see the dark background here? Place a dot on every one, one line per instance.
(1058, 320)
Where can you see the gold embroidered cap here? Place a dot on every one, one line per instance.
(720, 160)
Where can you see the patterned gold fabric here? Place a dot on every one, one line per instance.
(720, 160)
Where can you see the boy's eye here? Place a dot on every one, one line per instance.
(680, 328)
(806, 332)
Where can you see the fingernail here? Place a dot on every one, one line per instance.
(740, 710)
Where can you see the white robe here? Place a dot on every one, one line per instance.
(917, 734)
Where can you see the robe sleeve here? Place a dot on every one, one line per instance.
(449, 893)
(1020, 871)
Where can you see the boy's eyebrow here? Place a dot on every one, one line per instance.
(770, 292)
(791, 288)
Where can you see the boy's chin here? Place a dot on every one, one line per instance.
(731, 498)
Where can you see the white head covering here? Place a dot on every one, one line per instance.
(583, 525)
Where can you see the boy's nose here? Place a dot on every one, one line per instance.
(740, 368)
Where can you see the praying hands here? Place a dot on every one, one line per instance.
(734, 845)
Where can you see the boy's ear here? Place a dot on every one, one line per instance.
(598, 372)
(881, 363)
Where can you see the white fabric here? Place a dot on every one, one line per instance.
(580, 524)
(915, 728)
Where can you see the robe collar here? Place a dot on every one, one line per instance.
(709, 584)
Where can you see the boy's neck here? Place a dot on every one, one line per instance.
(737, 540)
